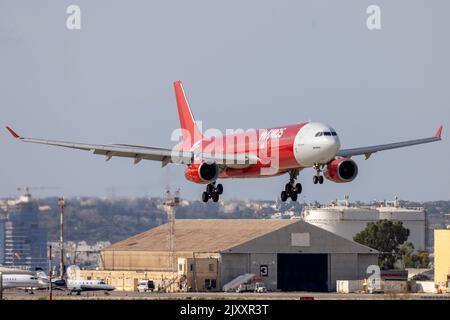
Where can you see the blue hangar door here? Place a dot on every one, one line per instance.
(302, 272)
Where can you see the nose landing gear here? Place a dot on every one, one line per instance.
(213, 192)
(318, 178)
(291, 190)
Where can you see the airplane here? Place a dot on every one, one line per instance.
(57, 283)
(19, 279)
(253, 154)
(79, 286)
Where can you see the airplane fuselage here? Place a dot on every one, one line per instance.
(12, 280)
(281, 149)
(88, 285)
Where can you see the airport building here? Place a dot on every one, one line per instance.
(346, 219)
(287, 255)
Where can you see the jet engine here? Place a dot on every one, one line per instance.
(341, 170)
(205, 172)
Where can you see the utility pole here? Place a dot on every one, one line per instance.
(62, 205)
(50, 293)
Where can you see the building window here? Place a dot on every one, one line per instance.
(180, 267)
(211, 267)
(210, 284)
(192, 267)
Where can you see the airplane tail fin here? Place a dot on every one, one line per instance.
(191, 134)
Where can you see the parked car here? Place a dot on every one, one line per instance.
(252, 287)
(146, 285)
(260, 287)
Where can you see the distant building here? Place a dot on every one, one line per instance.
(23, 243)
(346, 220)
(2, 240)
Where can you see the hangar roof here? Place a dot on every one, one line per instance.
(239, 235)
(211, 235)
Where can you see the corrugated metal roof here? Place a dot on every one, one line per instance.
(201, 235)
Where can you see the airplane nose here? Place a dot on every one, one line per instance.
(330, 147)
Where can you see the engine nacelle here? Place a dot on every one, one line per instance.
(204, 172)
(341, 170)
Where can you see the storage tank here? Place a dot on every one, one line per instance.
(346, 219)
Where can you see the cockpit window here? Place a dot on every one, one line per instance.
(326, 133)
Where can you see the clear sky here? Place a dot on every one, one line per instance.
(244, 64)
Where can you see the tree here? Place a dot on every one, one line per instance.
(412, 259)
(386, 236)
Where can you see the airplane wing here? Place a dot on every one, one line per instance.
(367, 151)
(139, 153)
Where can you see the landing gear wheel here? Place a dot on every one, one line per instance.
(320, 179)
(210, 188)
(288, 188)
(284, 196)
(219, 189)
(215, 197)
(315, 179)
(298, 188)
(294, 196)
(205, 196)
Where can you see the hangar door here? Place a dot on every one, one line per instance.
(303, 272)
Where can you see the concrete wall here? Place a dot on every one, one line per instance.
(233, 265)
(365, 260)
(236, 264)
(342, 266)
(126, 280)
(270, 260)
(143, 260)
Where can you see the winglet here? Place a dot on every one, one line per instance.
(13, 133)
(439, 133)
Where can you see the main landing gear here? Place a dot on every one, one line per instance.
(213, 192)
(318, 178)
(292, 189)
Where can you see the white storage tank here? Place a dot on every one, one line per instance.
(346, 220)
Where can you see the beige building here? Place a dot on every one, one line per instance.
(441, 256)
(288, 255)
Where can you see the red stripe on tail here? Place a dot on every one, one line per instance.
(191, 134)
(439, 133)
(13, 133)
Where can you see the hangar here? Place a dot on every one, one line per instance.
(289, 255)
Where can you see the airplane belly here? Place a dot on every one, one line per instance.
(253, 171)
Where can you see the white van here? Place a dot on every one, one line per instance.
(146, 285)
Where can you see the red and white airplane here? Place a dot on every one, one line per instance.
(252, 154)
